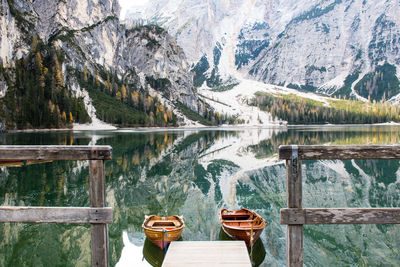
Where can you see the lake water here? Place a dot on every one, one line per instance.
(194, 173)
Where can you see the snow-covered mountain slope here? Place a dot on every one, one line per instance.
(329, 46)
(237, 101)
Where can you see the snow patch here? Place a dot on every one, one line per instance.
(3, 88)
(395, 99)
(353, 91)
(333, 85)
(96, 124)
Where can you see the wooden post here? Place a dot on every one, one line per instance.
(98, 199)
(294, 236)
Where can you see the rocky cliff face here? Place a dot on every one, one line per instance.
(328, 46)
(157, 57)
(325, 44)
(93, 42)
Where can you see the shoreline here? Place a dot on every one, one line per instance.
(194, 127)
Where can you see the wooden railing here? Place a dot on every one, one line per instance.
(295, 216)
(98, 215)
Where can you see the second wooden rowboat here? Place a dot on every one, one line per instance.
(242, 224)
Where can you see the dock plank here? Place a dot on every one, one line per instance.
(207, 253)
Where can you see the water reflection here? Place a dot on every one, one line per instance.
(153, 254)
(257, 252)
(194, 174)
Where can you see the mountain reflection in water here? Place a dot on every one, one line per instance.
(194, 173)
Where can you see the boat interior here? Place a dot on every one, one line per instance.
(163, 222)
(236, 216)
(241, 219)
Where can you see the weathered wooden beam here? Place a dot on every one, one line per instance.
(99, 232)
(342, 152)
(55, 152)
(55, 215)
(341, 216)
(294, 234)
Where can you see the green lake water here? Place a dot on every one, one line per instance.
(195, 173)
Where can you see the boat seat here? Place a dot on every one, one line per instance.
(239, 221)
(235, 215)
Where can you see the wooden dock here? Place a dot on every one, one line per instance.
(207, 253)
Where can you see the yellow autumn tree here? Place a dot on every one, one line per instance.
(108, 83)
(119, 95)
(39, 62)
(147, 103)
(135, 98)
(34, 42)
(125, 164)
(64, 116)
(59, 76)
(85, 74)
(169, 114)
(150, 100)
(97, 81)
(51, 106)
(135, 159)
(123, 91)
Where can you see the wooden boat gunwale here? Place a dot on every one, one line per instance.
(166, 219)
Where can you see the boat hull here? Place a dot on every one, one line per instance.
(162, 238)
(244, 235)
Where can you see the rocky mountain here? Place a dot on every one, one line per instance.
(86, 66)
(334, 47)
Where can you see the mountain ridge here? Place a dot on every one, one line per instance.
(325, 46)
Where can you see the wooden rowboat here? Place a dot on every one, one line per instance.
(162, 230)
(242, 224)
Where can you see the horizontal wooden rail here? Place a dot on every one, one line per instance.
(341, 152)
(341, 216)
(55, 152)
(55, 215)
